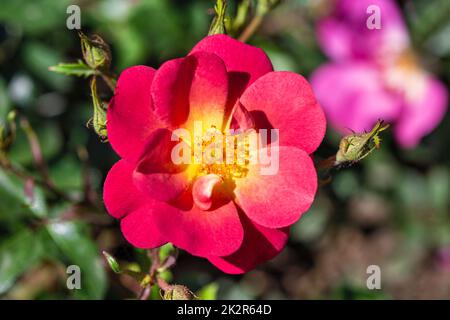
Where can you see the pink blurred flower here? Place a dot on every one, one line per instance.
(443, 258)
(374, 74)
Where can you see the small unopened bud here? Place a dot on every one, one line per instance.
(355, 147)
(218, 23)
(98, 120)
(96, 51)
(112, 262)
(178, 292)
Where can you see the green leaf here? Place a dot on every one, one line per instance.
(17, 255)
(47, 15)
(79, 69)
(15, 203)
(38, 57)
(74, 242)
(208, 292)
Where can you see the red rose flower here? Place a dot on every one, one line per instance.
(230, 214)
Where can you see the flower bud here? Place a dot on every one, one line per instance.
(355, 147)
(98, 120)
(114, 265)
(178, 292)
(218, 23)
(96, 51)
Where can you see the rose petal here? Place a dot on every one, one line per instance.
(244, 62)
(119, 193)
(278, 197)
(202, 233)
(209, 91)
(130, 118)
(194, 87)
(157, 175)
(260, 244)
(285, 101)
(139, 228)
(170, 91)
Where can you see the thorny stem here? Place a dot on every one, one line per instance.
(39, 163)
(6, 165)
(153, 272)
(154, 277)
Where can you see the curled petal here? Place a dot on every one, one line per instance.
(202, 190)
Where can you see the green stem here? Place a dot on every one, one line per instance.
(251, 28)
